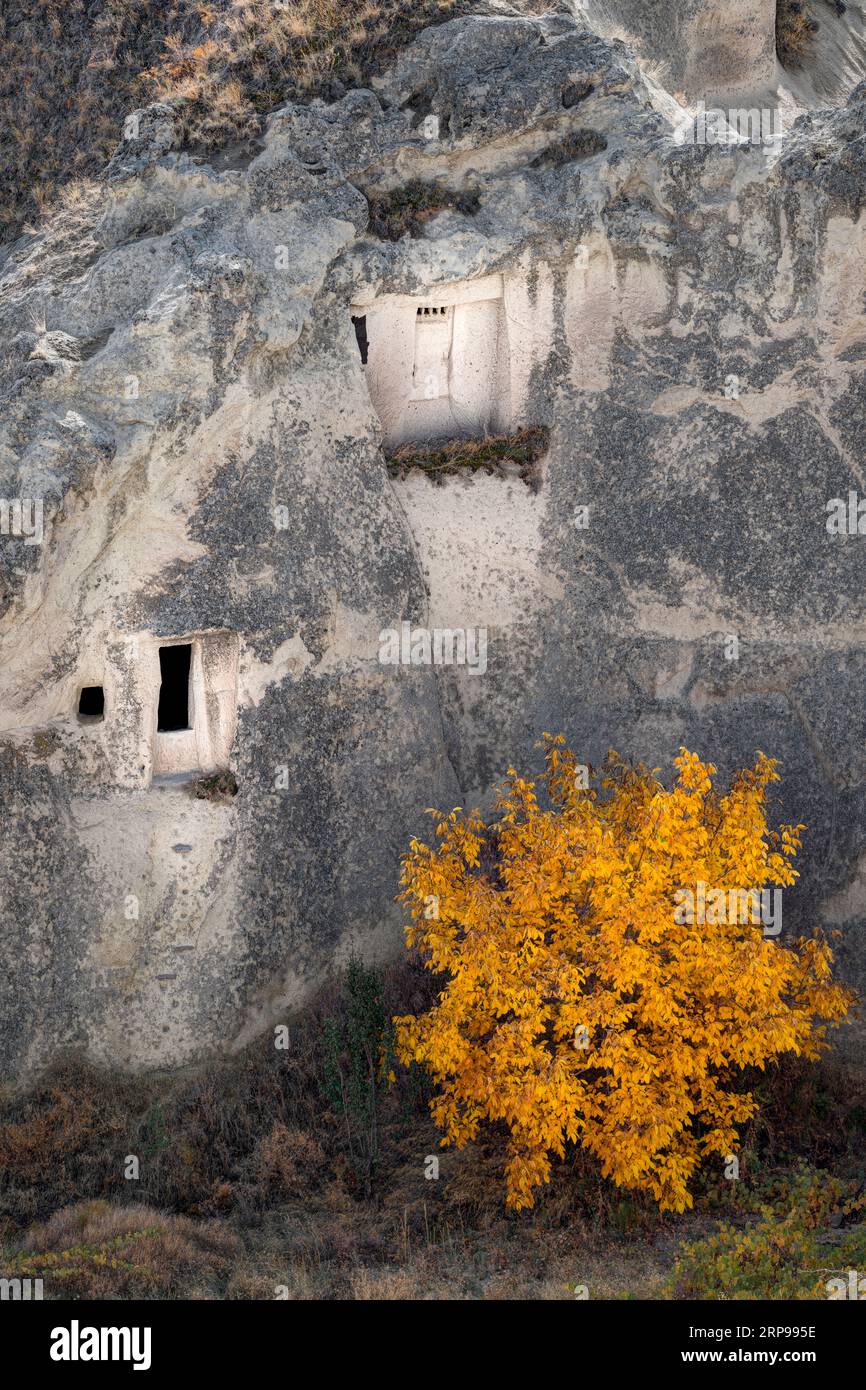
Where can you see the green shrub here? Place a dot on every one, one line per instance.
(804, 1238)
(359, 1055)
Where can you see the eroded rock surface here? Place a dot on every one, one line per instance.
(698, 47)
(183, 389)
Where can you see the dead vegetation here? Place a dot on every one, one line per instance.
(580, 144)
(73, 70)
(250, 56)
(219, 787)
(509, 454)
(404, 211)
(98, 1250)
(795, 29)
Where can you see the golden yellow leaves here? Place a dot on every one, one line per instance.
(577, 1004)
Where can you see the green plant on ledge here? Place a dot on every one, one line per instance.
(447, 456)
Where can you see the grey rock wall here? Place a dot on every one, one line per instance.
(701, 373)
(702, 48)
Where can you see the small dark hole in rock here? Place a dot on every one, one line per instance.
(360, 322)
(420, 105)
(575, 92)
(91, 702)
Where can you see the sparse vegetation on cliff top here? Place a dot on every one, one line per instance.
(73, 69)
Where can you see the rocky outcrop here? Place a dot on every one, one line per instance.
(703, 50)
(184, 395)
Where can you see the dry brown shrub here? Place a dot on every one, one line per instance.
(795, 30)
(291, 1160)
(32, 1147)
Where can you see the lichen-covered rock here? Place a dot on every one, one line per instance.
(183, 393)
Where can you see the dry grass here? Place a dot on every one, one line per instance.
(237, 1135)
(289, 1160)
(58, 1143)
(73, 69)
(795, 29)
(95, 1250)
(70, 73)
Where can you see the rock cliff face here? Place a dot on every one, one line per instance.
(697, 47)
(190, 457)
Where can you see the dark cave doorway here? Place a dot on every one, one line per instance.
(174, 668)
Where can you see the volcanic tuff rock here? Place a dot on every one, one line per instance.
(182, 388)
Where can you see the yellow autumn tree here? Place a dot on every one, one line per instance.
(607, 972)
